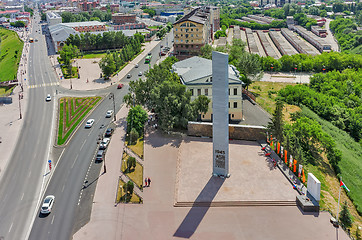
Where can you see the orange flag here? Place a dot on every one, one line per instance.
(303, 179)
(286, 156)
(295, 166)
(278, 148)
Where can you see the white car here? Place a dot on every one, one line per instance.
(48, 203)
(48, 98)
(89, 123)
(109, 113)
(104, 143)
(136, 66)
(140, 74)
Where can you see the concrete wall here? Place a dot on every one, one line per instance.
(242, 132)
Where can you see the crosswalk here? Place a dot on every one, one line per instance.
(43, 85)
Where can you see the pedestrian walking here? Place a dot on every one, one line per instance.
(145, 182)
(149, 181)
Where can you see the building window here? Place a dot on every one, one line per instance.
(192, 29)
(192, 35)
(235, 91)
(229, 104)
(229, 91)
(235, 104)
(186, 35)
(198, 92)
(206, 91)
(210, 79)
(192, 92)
(232, 115)
(181, 41)
(176, 29)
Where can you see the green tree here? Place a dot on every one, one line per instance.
(345, 217)
(133, 136)
(128, 189)
(250, 66)
(201, 105)
(107, 65)
(358, 234)
(276, 125)
(136, 119)
(131, 163)
(206, 51)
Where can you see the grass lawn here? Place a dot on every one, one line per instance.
(266, 93)
(11, 48)
(93, 55)
(6, 90)
(137, 148)
(68, 119)
(136, 175)
(66, 74)
(121, 196)
(350, 166)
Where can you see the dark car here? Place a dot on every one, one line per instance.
(109, 132)
(100, 155)
(162, 53)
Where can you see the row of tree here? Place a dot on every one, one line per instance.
(106, 40)
(95, 15)
(345, 30)
(308, 63)
(334, 96)
(113, 61)
(163, 92)
(306, 141)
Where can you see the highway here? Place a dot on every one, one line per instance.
(77, 158)
(21, 183)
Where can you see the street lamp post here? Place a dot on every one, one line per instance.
(111, 96)
(20, 117)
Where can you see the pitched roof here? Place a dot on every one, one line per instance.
(195, 15)
(195, 68)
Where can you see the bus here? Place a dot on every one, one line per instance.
(31, 40)
(148, 59)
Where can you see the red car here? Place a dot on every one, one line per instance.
(120, 86)
(162, 53)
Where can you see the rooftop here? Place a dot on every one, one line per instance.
(82, 24)
(196, 15)
(195, 68)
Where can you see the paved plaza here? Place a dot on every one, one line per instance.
(158, 219)
(253, 176)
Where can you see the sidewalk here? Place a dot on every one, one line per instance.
(90, 67)
(299, 77)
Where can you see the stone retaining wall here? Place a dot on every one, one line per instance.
(240, 132)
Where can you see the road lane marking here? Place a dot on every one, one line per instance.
(53, 219)
(11, 226)
(63, 188)
(82, 145)
(29, 174)
(75, 160)
(22, 196)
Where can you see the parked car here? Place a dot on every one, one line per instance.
(99, 156)
(104, 143)
(167, 48)
(109, 113)
(48, 98)
(89, 123)
(140, 74)
(109, 132)
(149, 54)
(162, 53)
(48, 203)
(136, 66)
(120, 86)
(129, 75)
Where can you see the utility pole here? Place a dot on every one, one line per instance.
(20, 107)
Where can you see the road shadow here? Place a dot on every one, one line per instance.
(156, 138)
(194, 217)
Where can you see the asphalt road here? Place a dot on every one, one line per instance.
(21, 183)
(77, 158)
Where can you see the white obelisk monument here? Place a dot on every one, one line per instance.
(220, 111)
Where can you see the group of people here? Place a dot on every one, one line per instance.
(147, 182)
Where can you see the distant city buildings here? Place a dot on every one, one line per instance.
(274, 2)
